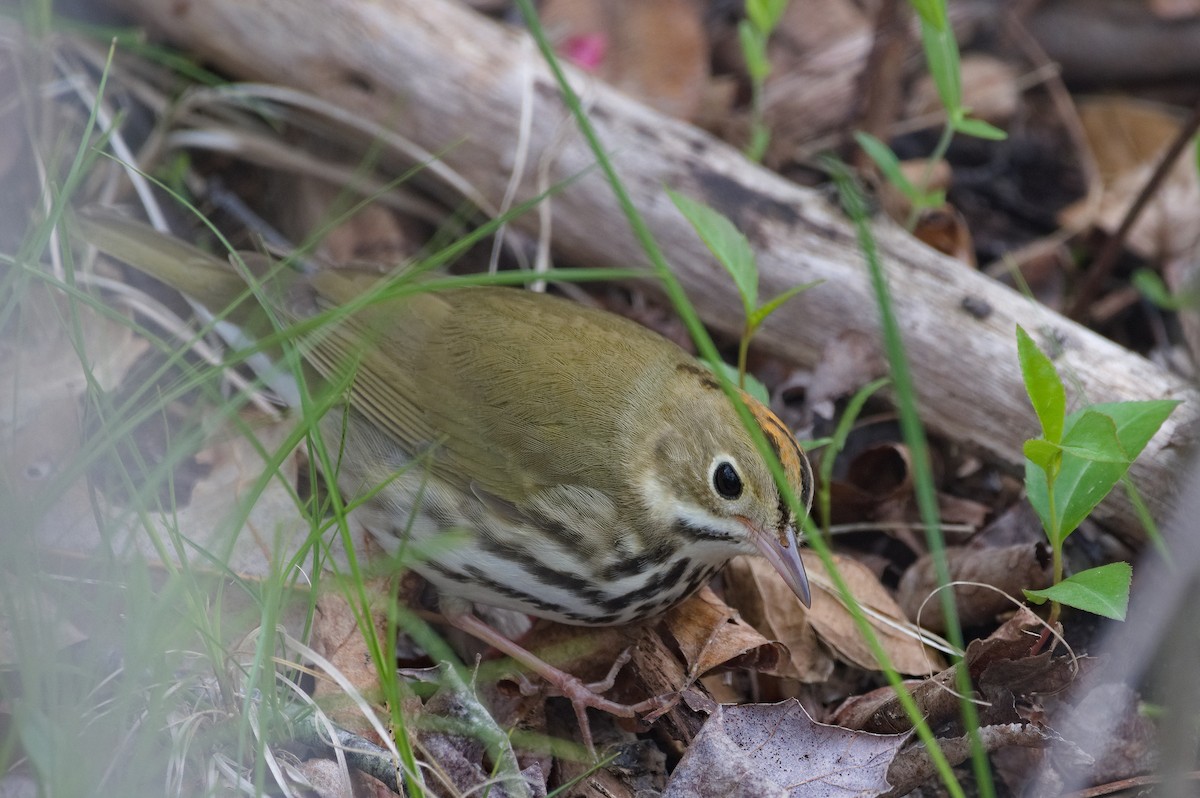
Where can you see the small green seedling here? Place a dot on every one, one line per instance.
(762, 17)
(1076, 462)
(919, 199)
(1152, 287)
(733, 251)
(945, 67)
(836, 443)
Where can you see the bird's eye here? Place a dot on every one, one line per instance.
(726, 480)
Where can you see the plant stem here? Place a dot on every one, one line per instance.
(743, 351)
(939, 152)
(1056, 544)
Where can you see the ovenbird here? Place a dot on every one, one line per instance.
(600, 471)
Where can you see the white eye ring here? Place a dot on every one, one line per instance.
(726, 477)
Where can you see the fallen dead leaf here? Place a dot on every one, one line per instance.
(828, 620)
(338, 637)
(945, 229)
(1127, 137)
(770, 606)
(1003, 665)
(768, 750)
(710, 635)
(1008, 569)
(835, 627)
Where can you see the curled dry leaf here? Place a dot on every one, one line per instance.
(769, 750)
(828, 625)
(912, 767)
(770, 606)
(1002, 665)
(711, 635)
(1008, 569)
(945, 229)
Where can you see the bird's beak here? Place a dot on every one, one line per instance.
(783, 552)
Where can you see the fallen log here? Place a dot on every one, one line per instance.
(456, 82)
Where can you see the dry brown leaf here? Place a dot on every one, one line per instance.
(945, 229)
(1127, 138)
(337, 636)
(881, 712)
(711, 635)
(770, 606)
(828, 624)
(835, 627)
(1009, 569)
(1003, 662)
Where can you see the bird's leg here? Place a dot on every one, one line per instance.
(582, 696)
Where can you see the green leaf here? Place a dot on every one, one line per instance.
(1099, 444)
(1045, 389)
(979, 129)
(846, 424)
(760, 139)
(753, 385)
(1037, 493)
(755, 388)
(765, 14)
(888, 164)
(1151, 286)
(941, 53)
(932, 12)
(1044, 454)
(1136, 422)
(770, 306)
(1092, 435)
(1102, 591)
(1082, 483)
(812, 444)
(726, 242)
(754, 50)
